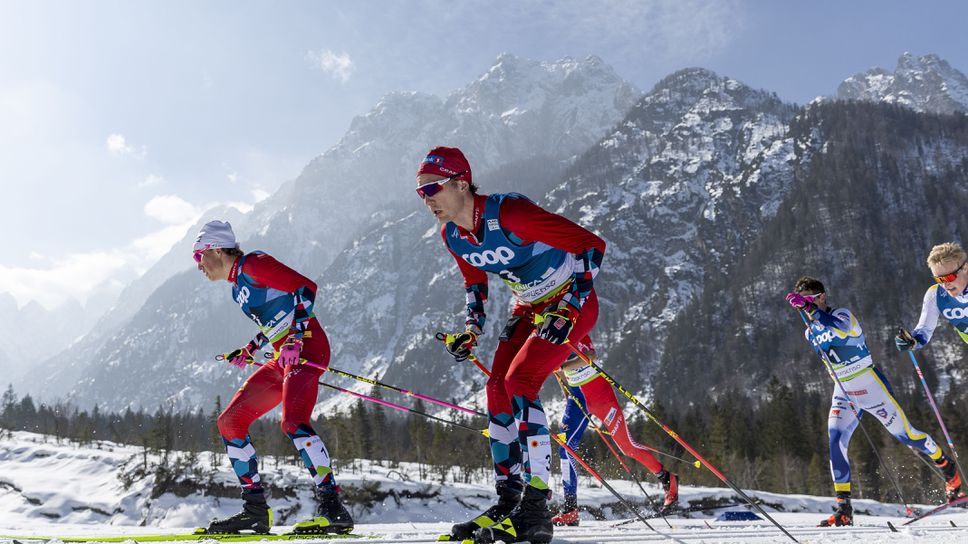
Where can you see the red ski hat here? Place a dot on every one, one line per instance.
(447, 162)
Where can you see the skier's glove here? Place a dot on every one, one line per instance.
(903, 340)
(801, 302)
(289, 353)
(242, 356)
(460, 345)
(556, 325)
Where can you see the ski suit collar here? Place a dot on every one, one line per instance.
(234, 272)
(480, 201)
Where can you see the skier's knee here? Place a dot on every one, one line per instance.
(288, 426)
(227, 427)
(515, 386)
(495, 387)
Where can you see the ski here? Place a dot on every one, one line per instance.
(956, 502)
(185, 537)
(686, 510)
(702, 508)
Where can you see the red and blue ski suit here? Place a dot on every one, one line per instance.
(545, 259)
(592, 395)
(280, 301)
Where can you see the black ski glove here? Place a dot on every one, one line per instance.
(556, 325)
(903, 340)
(460, 345)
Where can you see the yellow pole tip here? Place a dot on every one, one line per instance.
(698, 464)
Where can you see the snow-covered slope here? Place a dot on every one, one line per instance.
(926, 83)
(678, 189)
(51, 488)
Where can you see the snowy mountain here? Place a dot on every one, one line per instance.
(927, 84)
(35, 333)
(519, 116)
(119, 490)
(518, 111)
(678, 189)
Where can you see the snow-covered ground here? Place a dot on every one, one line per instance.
(49, 488)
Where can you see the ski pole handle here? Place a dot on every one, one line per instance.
(447, 338)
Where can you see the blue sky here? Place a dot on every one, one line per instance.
(120, 122)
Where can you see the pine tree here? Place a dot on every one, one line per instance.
(215, 443)
(419, 431)
(8, 408)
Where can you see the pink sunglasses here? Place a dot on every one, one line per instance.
(197, 254)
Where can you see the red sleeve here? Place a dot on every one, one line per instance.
(268, 272)
(533, 223)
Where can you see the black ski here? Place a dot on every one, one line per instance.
(686, 510)
(943, 507)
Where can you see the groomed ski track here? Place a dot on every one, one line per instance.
(869, 529)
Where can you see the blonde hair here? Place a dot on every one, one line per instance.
(946, 252)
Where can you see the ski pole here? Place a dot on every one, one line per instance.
(934, 407)
(473, 358)
(605, 432)
(678, 439)
(371, 381)
(833, 375)
(602, 481)
(602, 433)
(389, 404)
(448, 338)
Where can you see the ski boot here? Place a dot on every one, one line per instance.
(508, 497)
(255, 517)
(530, 521)
(331, 516)
(670, 484)
(952, 486)
(843, 514)
(568, 514)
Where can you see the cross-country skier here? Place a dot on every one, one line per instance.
(280, 301)
(948, 266)
(549, 263)
(836, 335)
(596, 398)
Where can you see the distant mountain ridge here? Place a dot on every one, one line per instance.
(925, 84)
